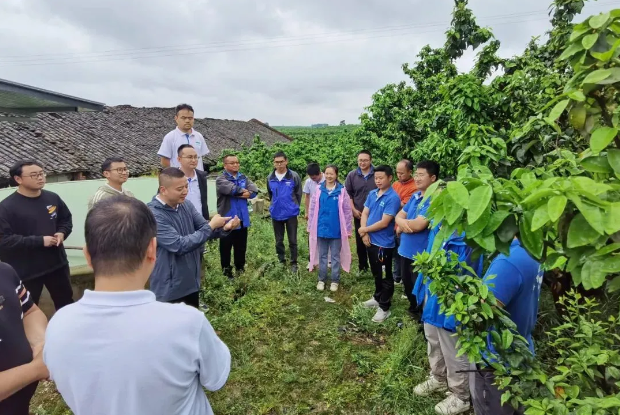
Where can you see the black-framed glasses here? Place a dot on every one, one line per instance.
(35, 176)
(120, 170)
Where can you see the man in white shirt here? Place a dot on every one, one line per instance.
(197, 192)
(183, 134)
(118, 351)
(116, 172)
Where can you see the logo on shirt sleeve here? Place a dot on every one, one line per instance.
(52, 211)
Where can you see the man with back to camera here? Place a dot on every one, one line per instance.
(181, 234)
(118, 351)
(116, 172)
(184, 133)
(359, 183)
(233, 191)
(197, 192)
(284, 189)
(33, 226)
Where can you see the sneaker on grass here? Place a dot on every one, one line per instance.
(430, 385)
(333, 287)
(452, 405)
(372, 303)
(320, 286)
(381, 315)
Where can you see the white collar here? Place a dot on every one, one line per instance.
(191, 133)
(164, 203)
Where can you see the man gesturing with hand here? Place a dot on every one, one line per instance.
(181, 233)
(34, 224)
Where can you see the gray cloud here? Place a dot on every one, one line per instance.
(281, 61)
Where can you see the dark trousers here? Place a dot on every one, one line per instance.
(362, 254)
(190, 299)
(290, 225)
(237, 240)
(58, 285)
(384, 283)
(409, 277)
(486, 397)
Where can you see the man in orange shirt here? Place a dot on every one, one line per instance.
(405, 187)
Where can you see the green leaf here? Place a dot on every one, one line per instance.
(598, 164)
(591, 213)
(431, 189)
(478, 226)
(486, 242)
(459, 193)
(584, 410)
(507, 338)
(577, 116)
(612, 219)
(614, 76)
(613, 157)
(496, 220)
(531, 240)
(607, 249)
(589, 40)
(577, 96)
(555, 207)
(540, 218)
(580, 233)
(508, 229)
(558, 109)
(599, 20)
(487, 310)
(479, 199)
(614, 285)
(596, 76)
(578, 32)
(601, 137)
(571, 50)
(588, 187)
(592, 275)
(454, 210)
(611, 264)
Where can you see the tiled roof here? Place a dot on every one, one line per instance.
(72, 142)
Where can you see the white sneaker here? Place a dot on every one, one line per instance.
(320, 286)
(381, 315)
(430, 385)
(452, 405)
(372, 303)
(333, 287)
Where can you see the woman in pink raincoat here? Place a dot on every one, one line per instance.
(329, 227)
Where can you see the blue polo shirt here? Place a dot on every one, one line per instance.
(329, 216)
(517, 286)
(412, 244)
(386, 204)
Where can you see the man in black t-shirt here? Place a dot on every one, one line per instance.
(33, 226)
(22, 333)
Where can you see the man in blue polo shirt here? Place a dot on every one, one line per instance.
(412, 226)
(377, 232)
(516, 286)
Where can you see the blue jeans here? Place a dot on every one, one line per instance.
(326, 245)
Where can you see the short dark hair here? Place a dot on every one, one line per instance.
(408, 164)
(385, 169)
(228, 155)
(183, 147)
(118, 231)
(107, 163)
(431, 167)
(280, 154)
(313, 169)
(18, 167)
(364, 152)
(332, 166)
(170, 173)
(182, 107)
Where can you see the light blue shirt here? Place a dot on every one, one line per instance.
(119, 353)
(193, 192)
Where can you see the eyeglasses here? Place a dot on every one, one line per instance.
(190, 157)
(120, 170)
(420, 175)
(363, 161)
(279, 161)
(232, 162)
(35, 176)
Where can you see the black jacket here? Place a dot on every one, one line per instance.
(202, 185)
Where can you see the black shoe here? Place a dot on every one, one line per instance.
(294, 269)
(414, 315)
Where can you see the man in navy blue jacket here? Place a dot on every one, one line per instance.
(233, 191)
(285, 191)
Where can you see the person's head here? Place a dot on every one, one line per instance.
(427, 173)
(314, 172)
(331, 173)
(28, 174)
(172, 186)
(120, 238)
(383, 177)
(187, 156)
(231, 163)
(184, 117)
(115, 170)
(364, 159)
(404, 170)
(280, 162)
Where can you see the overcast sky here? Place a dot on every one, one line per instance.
(286, 62)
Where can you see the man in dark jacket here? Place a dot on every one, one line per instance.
(196, 179)
(33, 226)
(181, 232)
(359, 183)
(233, 190)
(285, 191)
